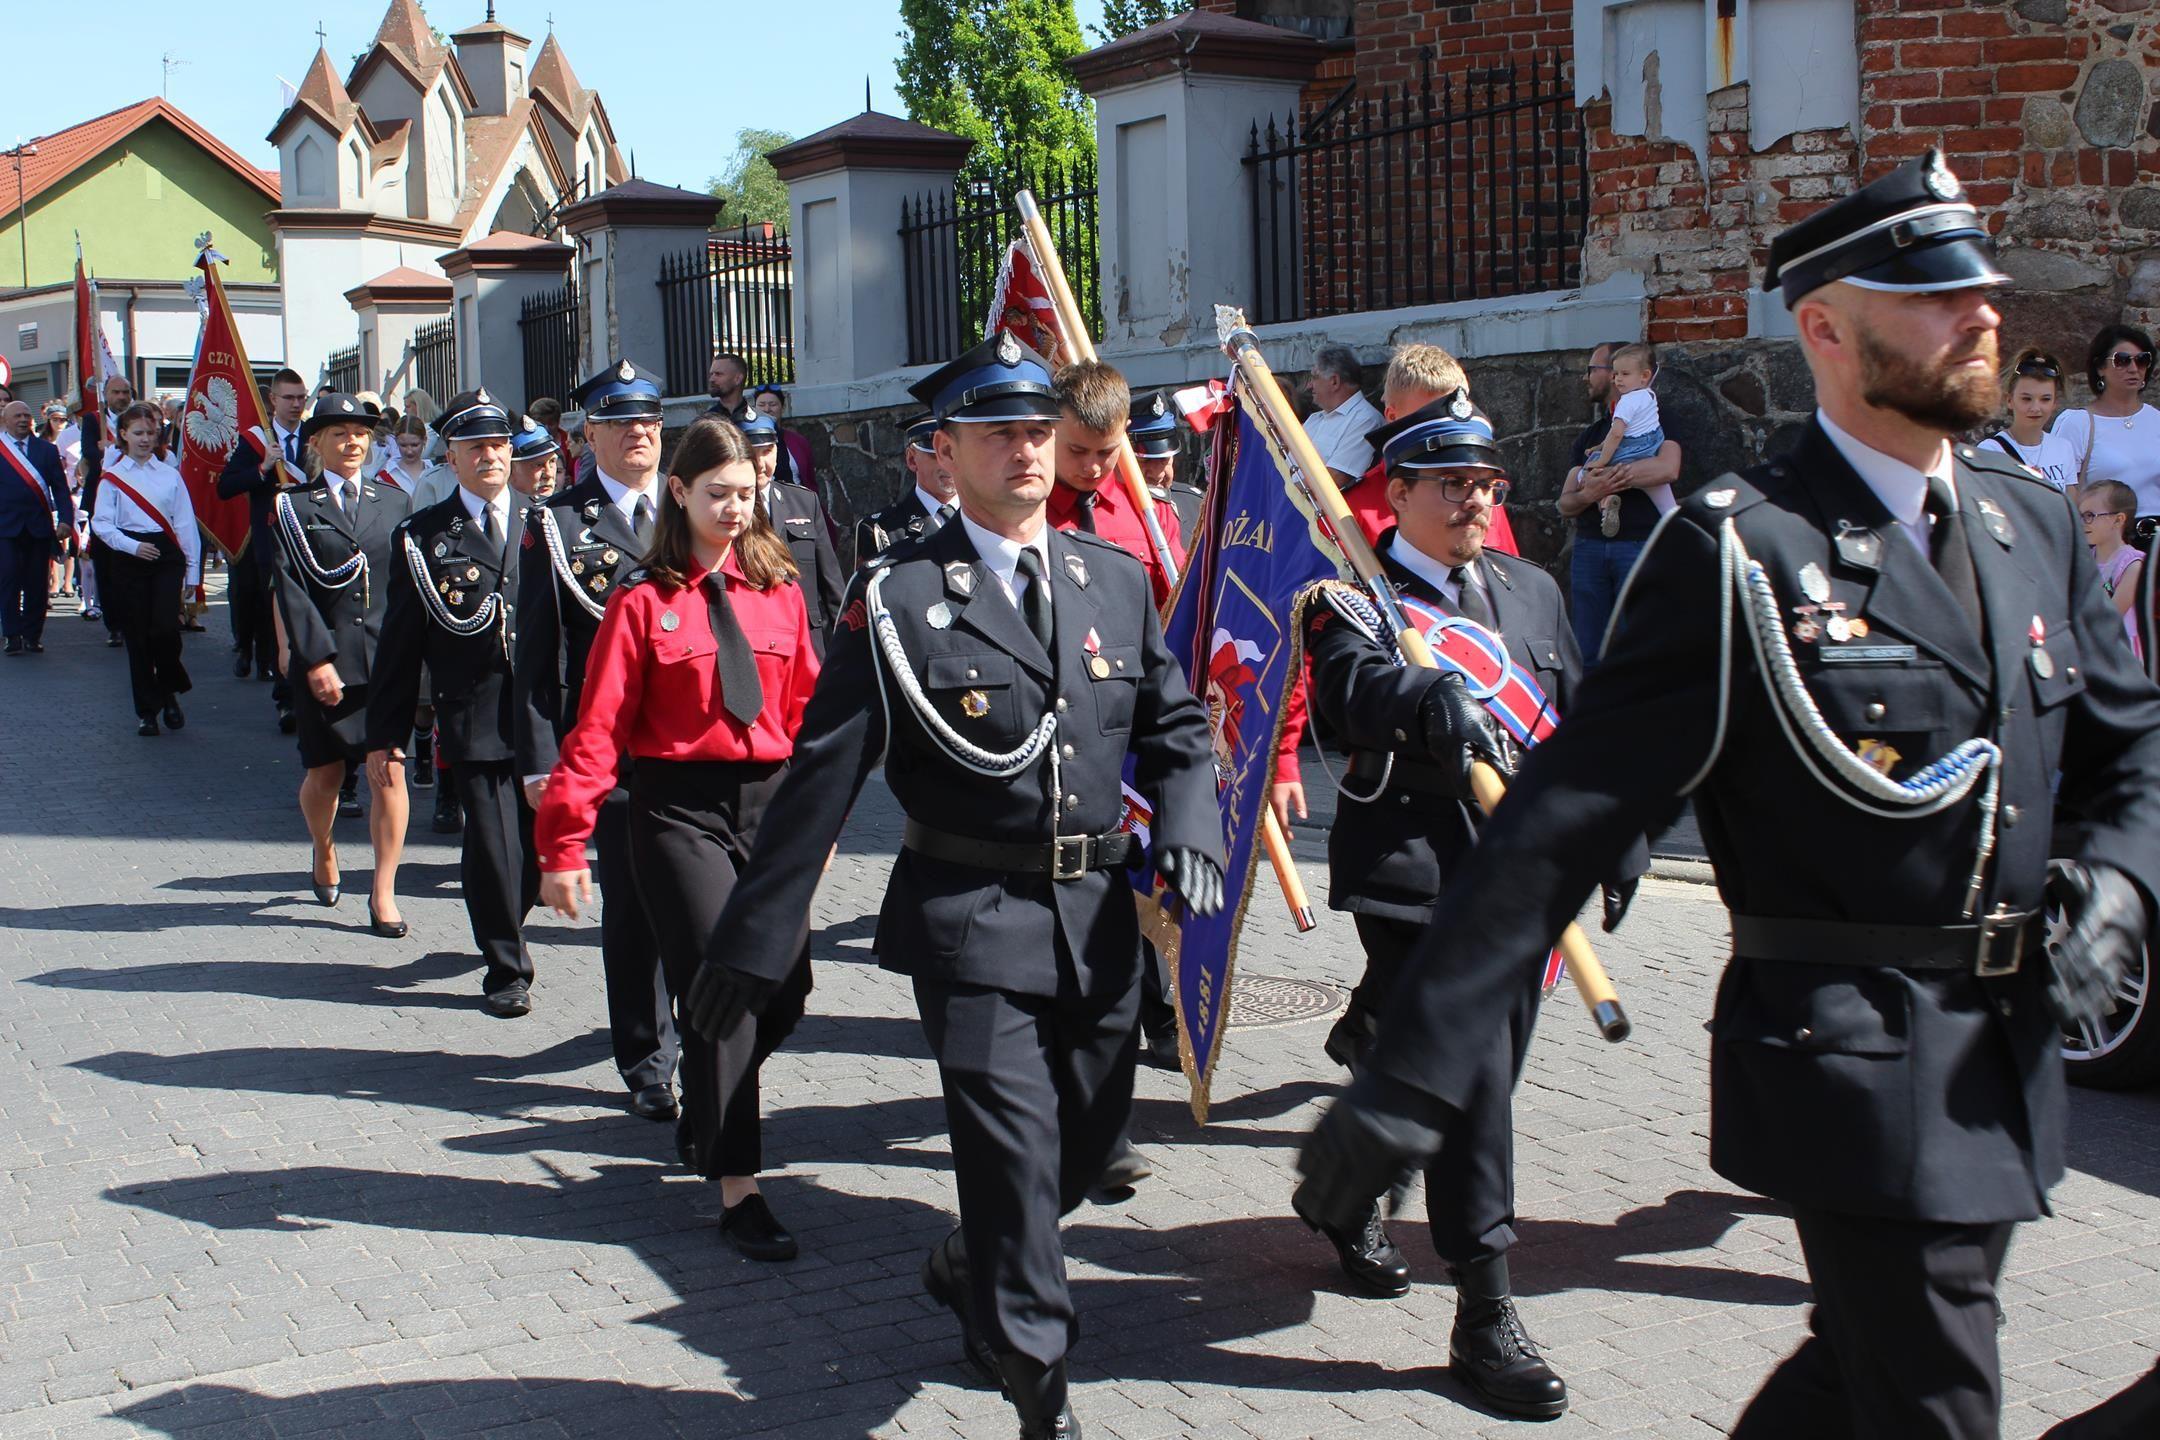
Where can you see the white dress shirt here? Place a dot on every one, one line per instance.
(1002, 556)
(930, 503)
(1339, 434)
(1901, 488)
(161, 485)
(625, 499)
(336, 484)
(1436, 573)
(477, 509)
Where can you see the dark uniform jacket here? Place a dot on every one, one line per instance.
(340, 623)
(957, 923)
(22, 513)
(555, 626)
(1916, 1094)
(1390, 852)
(799, 516)
(1188, 502)
(904, 520)
(469, 675)
(243, 475)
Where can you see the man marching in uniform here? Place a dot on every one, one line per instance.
(1152, 427)
(919, 511)
(1409, 821)
(582, 541)
(1004, 671)
(453, 573)
(799, 517)
(1868, 663)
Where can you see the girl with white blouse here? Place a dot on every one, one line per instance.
(2118, 437)
(2033, 392)
(153, 555)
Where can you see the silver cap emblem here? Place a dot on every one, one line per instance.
(1460, 407)
(1939, 181)
(624, 372)
(1008, 349)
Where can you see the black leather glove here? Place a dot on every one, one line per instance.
(720, 995)
(1457, 728)
(1370, 1143)
(1196, 878)
(2104, 930)
(1619, 894)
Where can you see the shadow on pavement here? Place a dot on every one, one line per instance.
(301, 978)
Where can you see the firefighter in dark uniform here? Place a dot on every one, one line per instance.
(453, 584)
(577, 546)
(798, 515)
(1153, 430)
(1868, 663)
(1408, 821)
(1004, 671)
(922, 509)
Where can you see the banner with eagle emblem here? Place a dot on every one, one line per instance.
(224, 409)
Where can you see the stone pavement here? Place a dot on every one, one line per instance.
(271, 1176)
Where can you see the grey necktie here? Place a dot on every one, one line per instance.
(641, 520)
(349, 495)
(1950, 548)
(488, 527)
(1470, 601)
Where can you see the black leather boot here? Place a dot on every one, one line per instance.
(945, 1276)
(1037, 1392)
(1491, 1352)
(1369, 1258)
(422, 767)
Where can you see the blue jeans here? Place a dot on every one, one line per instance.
(1600, 568)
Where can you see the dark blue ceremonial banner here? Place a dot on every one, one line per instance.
(1230, 626)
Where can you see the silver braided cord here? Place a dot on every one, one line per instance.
(481, 619)
(560, 559)
(335, 577)
(965, 751)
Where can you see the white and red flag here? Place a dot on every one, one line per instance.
(224, 410)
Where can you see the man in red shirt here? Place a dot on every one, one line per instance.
(1090, 494)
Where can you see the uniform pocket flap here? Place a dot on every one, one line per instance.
(1544, 652)
(1860, 700)
(1830, 1010)
(668, 649)
(968, 672)
(773, 642)
(2065, 666)
(1120, 662)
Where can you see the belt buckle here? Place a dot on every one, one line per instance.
(2002, 943)
(1068, 857)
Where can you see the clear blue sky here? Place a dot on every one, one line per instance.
(679, 77)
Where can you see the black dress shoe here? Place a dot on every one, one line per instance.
(751, 1229)
(1127, 1168)
(148, 726)
(945, 1278)
(654, 1102)
(35, 647)
(113, 641)
(174, 720)
(242, 667)
(449, 815)
(14, 645)
(1350, 1039)
(510, 1002)
(287, 722)
(422, 766)
(348, 800)
(1369, 1258)
(1039, 1395)
(389, 929)
(1495, 1357)
(1159, 1051)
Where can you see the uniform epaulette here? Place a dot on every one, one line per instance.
(635, 577)
(1995, 462)
(1091, 538)
(1729, 494)
(901, 548)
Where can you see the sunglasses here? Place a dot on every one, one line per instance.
(2088, 516)
(2125, 359)
(2041, 369)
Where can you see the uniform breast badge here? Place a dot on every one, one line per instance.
(939, 615)
(442, 549)
(1813, 583)
(670, 621)
(609, 557)
(1098, 667)
(1876, 755)
(975, 704)
(597, 584)
(2043, 664)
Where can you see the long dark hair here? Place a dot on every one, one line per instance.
(760, 553)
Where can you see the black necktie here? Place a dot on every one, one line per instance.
(1084, 512)
(488, 528)
(740, 693)
(1949, 548)
(1035, 604)
(641, 522)
(349, 493)
(1470, 601)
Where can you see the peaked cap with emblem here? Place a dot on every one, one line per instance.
(531, 440)
(473, 415)
(760, 431)
(1152, 425)
(922, 434)
(335, 409)
(622, 391)
(1911, 231)
(1442, 434)
(1000, 379)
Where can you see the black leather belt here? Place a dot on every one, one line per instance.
(1066, 858)
(1368, 766)
(1997, 945)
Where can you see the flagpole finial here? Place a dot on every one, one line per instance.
(1229, 320)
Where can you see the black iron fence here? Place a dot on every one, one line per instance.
(736, 294)
(435, 359)
(1475, 186)
(547, 330)
(341, 372)
(953, 242)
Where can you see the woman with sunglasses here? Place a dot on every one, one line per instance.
(2118, 436)
(2032, 392)
(2107, 508)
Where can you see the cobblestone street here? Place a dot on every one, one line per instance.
(272, 1176)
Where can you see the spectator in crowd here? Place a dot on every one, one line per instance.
(169, 429)
(2118, 437)
(548, 411)
(796, 467)
(2108, 508)
(1341, 414)
(1603, 556)
(577, 454)
(51, 421)
(2032, 391)
(724, 381)
(421, 406)
(403, 466)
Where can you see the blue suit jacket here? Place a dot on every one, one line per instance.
(20, 513)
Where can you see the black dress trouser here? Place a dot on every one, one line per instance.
(1038, 1092)
(1904, 1335)
(497, 870)
(25, 584)
(141, 600)
(692, 823)
(641, 1022)
(1470, 1184)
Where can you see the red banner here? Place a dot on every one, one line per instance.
(224, 409)
(1022, 305)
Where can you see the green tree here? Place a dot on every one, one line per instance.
(1122, 17)
(994, 71)
(754, 192)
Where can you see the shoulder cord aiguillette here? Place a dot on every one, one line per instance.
(331, 577)
(489, 611)
(560, 559)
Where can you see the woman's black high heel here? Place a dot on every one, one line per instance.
(388, 929)
(324, 894)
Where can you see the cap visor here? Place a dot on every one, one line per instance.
(1006, 407)
(1957, 264)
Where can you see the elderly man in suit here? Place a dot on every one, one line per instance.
(35, 509)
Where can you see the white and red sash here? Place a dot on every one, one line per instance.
(145, 506)
(28, 476)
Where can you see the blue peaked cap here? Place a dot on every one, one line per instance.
(1447, 433)
(623, 391)
(1000, 379)
(531, 440)
(760, 430)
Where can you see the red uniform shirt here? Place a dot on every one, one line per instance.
(653, 692)
(1119, 522)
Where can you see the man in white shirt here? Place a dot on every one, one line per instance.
(1341, 414)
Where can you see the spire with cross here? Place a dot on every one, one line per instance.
(322, 36)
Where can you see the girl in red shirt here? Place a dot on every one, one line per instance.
(699, 672)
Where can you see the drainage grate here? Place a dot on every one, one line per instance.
(1263, 1002)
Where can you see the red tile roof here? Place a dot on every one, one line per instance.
(64, 152)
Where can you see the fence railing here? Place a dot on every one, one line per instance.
(734, 293)
(953, 241)
(341, 372)
(547, 330)
(1475, 186)
(435, 359)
